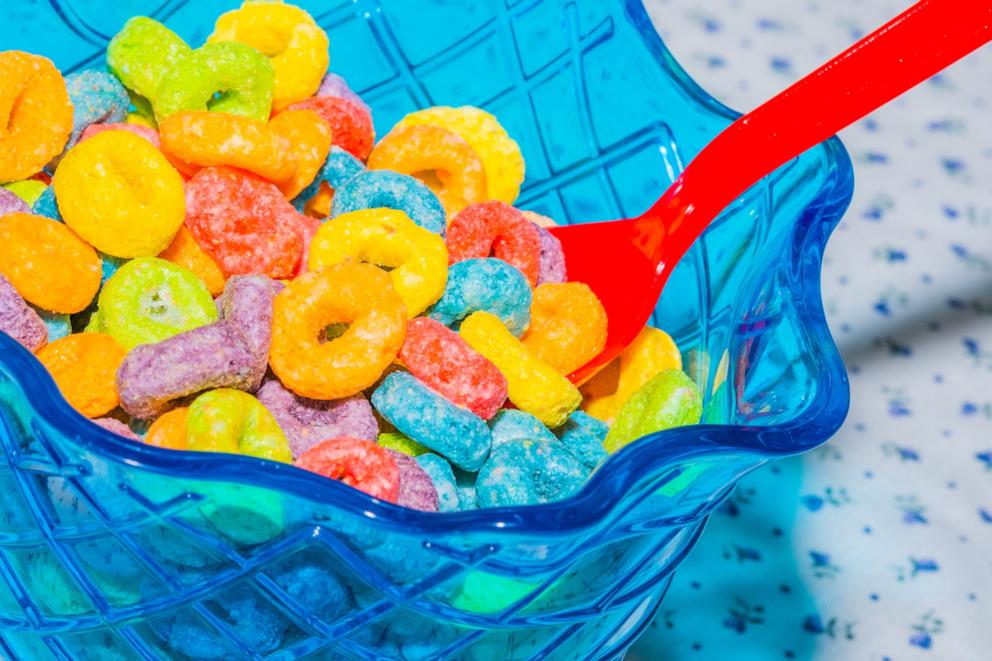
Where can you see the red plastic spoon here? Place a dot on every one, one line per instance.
(627, 262)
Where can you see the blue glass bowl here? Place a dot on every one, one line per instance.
(110, 549)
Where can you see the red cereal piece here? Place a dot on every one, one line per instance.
(149, 134)
(495, 229)
(444, 362)
(361, 464)
(243, 222)
(351, 125)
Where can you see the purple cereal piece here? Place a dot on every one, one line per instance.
(416, 488)
(214, 356)
(117, 427)
(19, 320)
(10, 203)
(336, 86)
(307, 422)
(552, 259)
(247, 304)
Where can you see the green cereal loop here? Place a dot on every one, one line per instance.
(241, 74)
(481, 592)
(402, 443)
(228, 420)
(670, 399)
(149, 300)
(245, 515)
(141, 54)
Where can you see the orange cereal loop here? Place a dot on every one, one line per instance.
(319, 206)
(440, 158)
(206, 139)
(186, 252)
(35, 114)
(47, 263)
(310, 140)
(84, 367)
(360, 295)
(567, 325)
(169, 430)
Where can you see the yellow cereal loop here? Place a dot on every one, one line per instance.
(652, 351)
(118, 192)
(289, 37)
(533, 385)
(386, 237)
(500, 154)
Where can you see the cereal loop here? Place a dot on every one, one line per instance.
(225, 77)
(120, 194)
(457, 433)
(209, 139)
(84, 367)
(288, 36)
(243, 222)
(339, 167)
(567, 325)
(35, 114)
(146, 132)
(453, 169)
(142, 54)
(169, 430)
(491, 285)
(669, 399)
(226, 420)
(96, 97)
(500, 155)
(417, 258)
(185, 252)
(356, 462)
(651, 352)
(442, 360)
(149, 300)
(361, 295)
(497, 229)
(533, 385)
(19, 320)
(47, 263)
(371, 189)
(310, 142)
(351, 124)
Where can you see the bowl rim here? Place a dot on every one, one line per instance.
(606, 488)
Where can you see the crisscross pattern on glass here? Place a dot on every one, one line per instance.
(109, 549)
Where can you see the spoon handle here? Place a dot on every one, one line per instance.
(920, 42)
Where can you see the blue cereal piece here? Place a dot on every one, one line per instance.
(432, 420)
(583, 436)
(375, 189)
(486, 284)
(109, 265)
(515, 425)
(439, 470)
(46, 205)
(524, 472)
(59, 325)
(97, 98)
(468, 499)
(339, 167)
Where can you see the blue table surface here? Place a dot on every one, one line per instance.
(877, 545)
